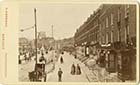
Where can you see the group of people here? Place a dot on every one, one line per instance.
(60, 72)
(75, 70)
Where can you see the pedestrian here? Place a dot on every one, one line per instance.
(73, 69)
(60, 75)
(61, 60)
(19, 61)
(62, 52)
(25, 56)
(75, 56)
(42, 61)
(78, 70)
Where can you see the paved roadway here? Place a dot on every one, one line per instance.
(66, 68)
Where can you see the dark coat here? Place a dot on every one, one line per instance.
(60, 73)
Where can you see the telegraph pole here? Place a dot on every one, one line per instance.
(53, 44)
(53, 36)
(52, 31)
(35, 33)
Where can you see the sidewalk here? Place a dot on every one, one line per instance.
(89, 74)
(99, 74)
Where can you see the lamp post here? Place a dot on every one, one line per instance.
(35, 34)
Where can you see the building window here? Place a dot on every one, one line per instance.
(103, 39)
(128, 29)
(119, 14)
(111, 36)
(104, 25)
(127, 6)
(100, 27)
(126, 33)
(118, 35)
(107, 22)
(126, 11)
(111, 18)
(106, 38)
(95, 37)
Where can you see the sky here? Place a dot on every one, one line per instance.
(65, 18)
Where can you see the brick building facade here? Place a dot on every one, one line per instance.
(111, 26)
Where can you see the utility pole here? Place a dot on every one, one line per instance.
(53, 36)
(35, 33)
(53, 44)
(52, 31)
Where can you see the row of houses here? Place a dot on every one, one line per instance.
(110, 27)
(109, 24)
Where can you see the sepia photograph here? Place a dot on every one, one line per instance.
(77, 42)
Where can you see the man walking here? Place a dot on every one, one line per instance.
(60, 75)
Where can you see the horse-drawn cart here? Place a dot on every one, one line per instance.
(38, 74)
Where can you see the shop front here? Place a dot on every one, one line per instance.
(108, 58)
(127, 64)
(111, 61)
(102, 55)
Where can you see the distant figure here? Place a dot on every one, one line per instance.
(42, 59)
(25, 56)
(46, 52)
(62, 53)
(75, 56)
(61, 60)
(29, 56)
(73, 69)
(60, 75)
(78, 70)
(19, 61)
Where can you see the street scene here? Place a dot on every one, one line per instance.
(62, 43)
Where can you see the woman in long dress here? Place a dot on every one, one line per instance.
(78, 70)
(61, 60)
(73, 69)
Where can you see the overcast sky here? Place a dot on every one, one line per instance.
(65, 18)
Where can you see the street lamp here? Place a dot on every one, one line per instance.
(35, 34)
(35, 27)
